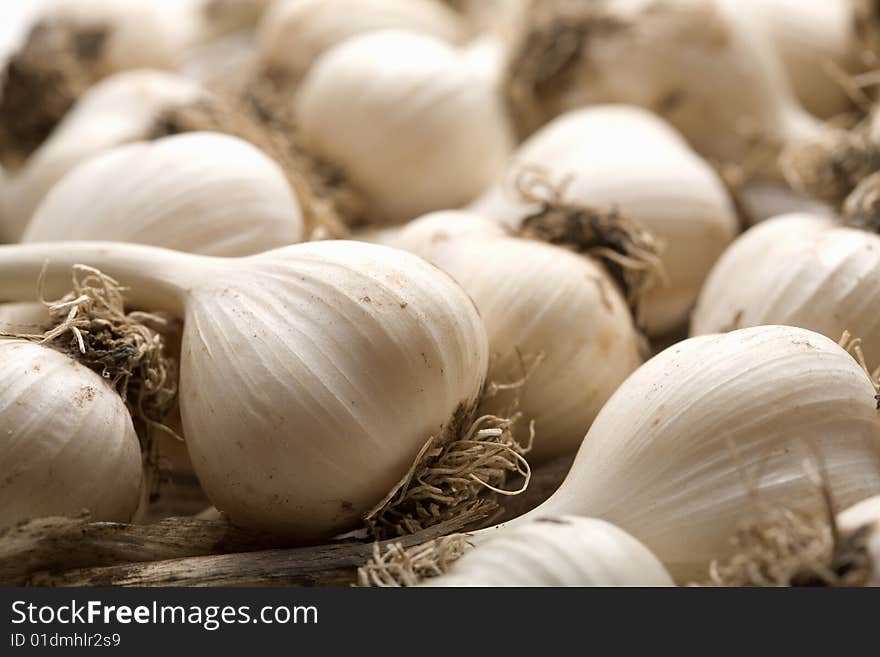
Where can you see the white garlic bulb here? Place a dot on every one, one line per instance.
(557, 551)
(310, 376)
(66, 439)
(26, 318)
(679, 454)
(548, 310)
(818, 44)
(864, 518)
(416, 125)
(294, 33)
(698, 63)
(798, 269)
(199, 192)
(120, 109)
(616, 156)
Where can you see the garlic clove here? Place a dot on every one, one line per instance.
(199, 192)
(627, 158)
(294, 33)
(310, 377)
(681, 452)
(801, 270)
(120, 109)
(437, 133)
(556, 322)
(67, 442)
(557, 551)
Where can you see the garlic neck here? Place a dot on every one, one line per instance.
(158, 278)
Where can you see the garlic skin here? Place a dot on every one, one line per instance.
(29, 318)
(294, 33)
(198, 192)
(810, 36)
(66, 439)
(536, 301)
(310, 376)
(865, 516)
(557, 551)
(801, 270)
(681, 451)
(698, 63)
(615, 156)
(416, 125)
(119, 109)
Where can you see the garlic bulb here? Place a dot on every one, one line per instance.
(28, 318)
(548, 310)
(697, 63)
(818, 44)
(119, 109)
(66, 439)
(317, 427)
(801, 270)
(74, 44)
(557, 551)
(199, 192)
(685, 446)
(415, 126)
(627, 158)
(862, 523)
(294, 33)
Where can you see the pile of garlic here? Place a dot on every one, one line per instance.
(375, 268)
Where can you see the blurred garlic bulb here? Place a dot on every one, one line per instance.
(627, 158)
(66, 439)
(28, 318)
(552, 316)
(294, 33)
(819, 45)
(860, 525)
(199, 192)
(293, 418)
(557, 551)
(74, 44)
(416, 125)
(698, 63)
(120, 109)
(679, 454)
(801, 270)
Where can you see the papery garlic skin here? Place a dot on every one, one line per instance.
(801, 270)
(813, 38)
(120, 109)
(67, 442)
(294, 33)
(197, 192)
(685, 446)
(865, 517)
(557, 551)
(555, 313)
(310, 377)
(615, 156)
(28, 318)
(416, 125)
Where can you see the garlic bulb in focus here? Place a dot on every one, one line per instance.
(557, 551)
(294, 33)
(415, 125)
(199, 192)
(625, 157)
(295, 422)
(801, 270)
(862, 522)
(698, 63)
(120, 109)
(66, 439)
(74, 44)
(679, 454)
(552, 316)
